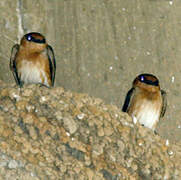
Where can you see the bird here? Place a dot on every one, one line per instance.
(33, 61)
(145, 101)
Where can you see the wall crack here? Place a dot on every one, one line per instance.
(20, 20)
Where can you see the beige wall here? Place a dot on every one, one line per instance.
(101, 45)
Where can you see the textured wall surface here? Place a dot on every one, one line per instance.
(102, 45)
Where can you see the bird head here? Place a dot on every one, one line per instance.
(34, 41)
(147, 81)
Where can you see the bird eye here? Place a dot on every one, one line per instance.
(142, 78)
(29, 38)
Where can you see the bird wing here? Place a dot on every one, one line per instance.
(164, 103)
(127, 100)
(52, 63)
(12, 63)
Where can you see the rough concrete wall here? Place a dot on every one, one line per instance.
(102, 45)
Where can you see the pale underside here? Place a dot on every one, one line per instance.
(147, 113)
(32, 73)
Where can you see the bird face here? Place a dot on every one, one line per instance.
(34, 42)
(35, 37)
(147, 82)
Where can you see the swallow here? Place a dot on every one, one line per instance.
(33, 61)
(145, 101)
